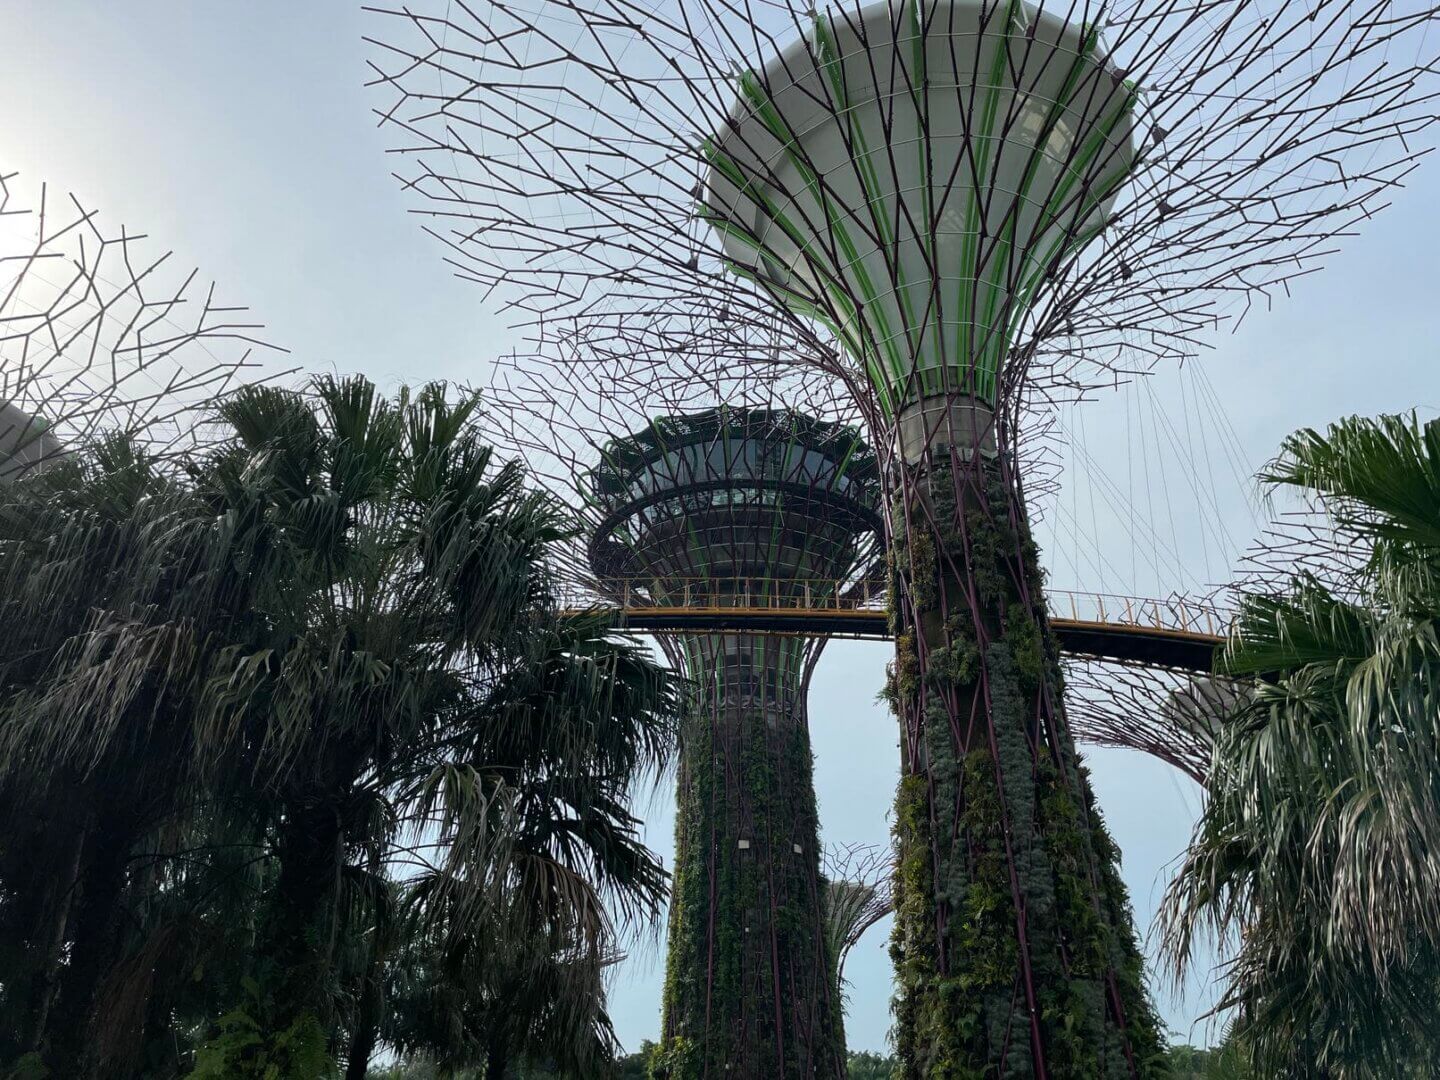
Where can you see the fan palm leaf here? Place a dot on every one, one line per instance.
(1313, 856)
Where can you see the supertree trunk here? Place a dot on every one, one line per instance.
(715, 511)
(749, 989)
(1014, 945)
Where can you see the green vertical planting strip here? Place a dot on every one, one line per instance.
(1024, 827)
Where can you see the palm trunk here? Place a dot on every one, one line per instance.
(367, 1024)
(95, 936)
(48, 940)
(497, 1060)
(309, 853)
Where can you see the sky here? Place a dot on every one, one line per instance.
(240, 136)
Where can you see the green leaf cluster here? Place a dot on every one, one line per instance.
(298, 757)
(1313, 862)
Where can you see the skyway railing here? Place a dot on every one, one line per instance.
(762, 596)
(1177, 613)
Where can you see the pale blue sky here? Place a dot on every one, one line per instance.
(239, 135)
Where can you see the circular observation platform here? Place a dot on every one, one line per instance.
(694, 509)
(764, 522)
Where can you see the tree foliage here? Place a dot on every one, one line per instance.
(1313, 854)
(1224, 1062)
(298, 758)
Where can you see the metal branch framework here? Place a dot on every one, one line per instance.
(1174, 714)
(960, 211)
(98, 336)
(1159, 711)
(857, 896)
(561, 151)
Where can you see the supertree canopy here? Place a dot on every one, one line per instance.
(723, 508)
(960, 210)
(1167, 713)
(913, 174)
(98, 337)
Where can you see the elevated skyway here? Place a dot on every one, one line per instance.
(1175, 633)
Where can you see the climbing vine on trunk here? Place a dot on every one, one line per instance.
(748, 989)
(1014, 946)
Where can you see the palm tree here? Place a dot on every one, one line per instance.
(102, 574)
(508, 966)
(240, 702)
(400, 670)
(1314, 853)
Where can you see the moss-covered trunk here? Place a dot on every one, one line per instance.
(748, 988)
(1014, 945)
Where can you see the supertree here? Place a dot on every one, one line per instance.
(858, 880)
(98, 336)
(957, 209)
(1174, 713)
(1164, 712)
(725, 509)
